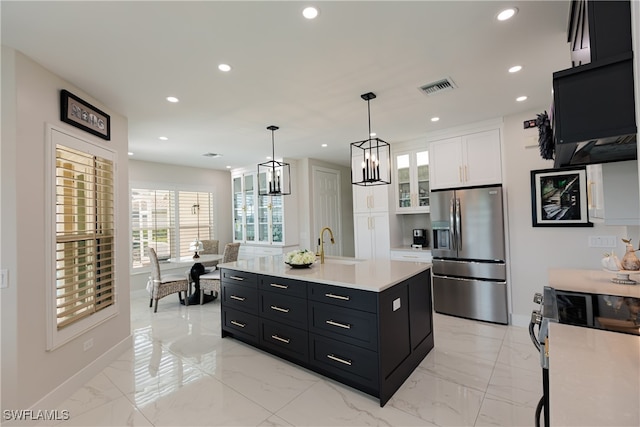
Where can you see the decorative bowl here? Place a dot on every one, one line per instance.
(299, 265)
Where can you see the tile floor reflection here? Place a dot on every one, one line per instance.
(180, 372)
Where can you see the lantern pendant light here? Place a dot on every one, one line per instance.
(277, 174)
(370, 158)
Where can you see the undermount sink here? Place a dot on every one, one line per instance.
(342, 260)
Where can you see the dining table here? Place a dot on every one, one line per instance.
(196, 270)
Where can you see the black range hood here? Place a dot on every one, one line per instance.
(594, 117)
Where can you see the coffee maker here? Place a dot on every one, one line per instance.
(420, 238)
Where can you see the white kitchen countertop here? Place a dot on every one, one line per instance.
(591, 281)
(594, 377)
(368, 275)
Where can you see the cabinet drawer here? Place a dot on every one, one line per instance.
(344, 297)
(346, 361)
(284, 339)
(352, 326)
(243, 325)
(239, 277)
(240, 297)
(283, 286)
(283, 308)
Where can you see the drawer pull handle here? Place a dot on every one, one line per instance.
(338, 324)
(284, 340)
(277, 285)
(236, 278)
(334, 296)
(338, 359)
(280, 309)
(237, 298)
(241, 325)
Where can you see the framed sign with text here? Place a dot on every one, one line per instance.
(83, 115)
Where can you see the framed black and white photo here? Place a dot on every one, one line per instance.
(559, 197)
(83, 115)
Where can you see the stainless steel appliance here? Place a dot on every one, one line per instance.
(469, 268)
(420, 238)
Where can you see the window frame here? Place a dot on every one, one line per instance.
(58, 337)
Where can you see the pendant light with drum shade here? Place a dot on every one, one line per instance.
(196, 246)
(371, 158)
(278, 173)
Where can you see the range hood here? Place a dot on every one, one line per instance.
(594, 117)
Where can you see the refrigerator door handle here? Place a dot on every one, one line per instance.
(467, 279)
(458, 225)
(452, 225)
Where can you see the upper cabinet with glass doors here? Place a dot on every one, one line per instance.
(270, 214)
(412, 181)
(244, 218)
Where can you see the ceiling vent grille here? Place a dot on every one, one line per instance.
(443, 85)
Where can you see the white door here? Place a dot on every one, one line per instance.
(327, 208)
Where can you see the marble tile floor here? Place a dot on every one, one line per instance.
(180, 372)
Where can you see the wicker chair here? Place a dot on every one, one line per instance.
(211, 281)
(160, 286)
(210, 247)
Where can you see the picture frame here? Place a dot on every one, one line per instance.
(559, 197)
(83, 115)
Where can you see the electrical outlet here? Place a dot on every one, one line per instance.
(602, 241)
(4, 278)
(88, 344)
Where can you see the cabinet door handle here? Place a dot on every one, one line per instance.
(284, 340)
(466, 173)
(241, 325)
(282, 310)
(338, 324)
(338, 359)
(460, 173)
(236, 278)
(279, 286)
(237, 298)
(334, 296)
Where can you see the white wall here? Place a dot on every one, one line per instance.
(30, 373)
(534, 250)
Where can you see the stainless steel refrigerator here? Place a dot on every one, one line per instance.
(469, 268)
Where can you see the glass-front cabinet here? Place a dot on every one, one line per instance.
(412, 181)
(256, 219)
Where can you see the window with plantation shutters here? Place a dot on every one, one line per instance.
(84, 258)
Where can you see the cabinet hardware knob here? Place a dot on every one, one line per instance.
(338, 324)
(282, 310)
(334, 296)
(338, 359)
(241, 325)
(237, 298)
(284, 340)
(277, 285)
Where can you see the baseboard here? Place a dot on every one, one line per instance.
(61, 393)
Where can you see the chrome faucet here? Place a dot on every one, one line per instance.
(322, 242)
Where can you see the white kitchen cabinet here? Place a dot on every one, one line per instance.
(373, 198)
(411, 255)
(412, 181)
(613, 194)
(261, 219)
(467, 160)
(376, 227)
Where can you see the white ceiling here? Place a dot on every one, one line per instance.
(304, 76)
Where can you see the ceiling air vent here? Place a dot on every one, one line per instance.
(437, 87)
(214, 155)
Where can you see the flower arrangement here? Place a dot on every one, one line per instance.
(300, 257)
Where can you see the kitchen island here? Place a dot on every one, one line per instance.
(365, 323)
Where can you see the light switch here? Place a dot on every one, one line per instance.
(396, 304)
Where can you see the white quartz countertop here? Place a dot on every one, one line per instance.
(368, 275)
(594, 377)
(592, 281)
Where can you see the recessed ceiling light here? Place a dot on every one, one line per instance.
(228, 167)
(130, 153)
(521, 98)
(507, 14)
(172, 99)
(163, 138)
(310, 12)
(214, 155)
(224, 67)
(324, 145)
(435, 119)
(268, 157)
(515, 68)
(372, 134)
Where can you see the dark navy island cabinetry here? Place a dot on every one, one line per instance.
(369, 340)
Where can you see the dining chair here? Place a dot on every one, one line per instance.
(161, 286)
(211, 281)
(210, 247)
